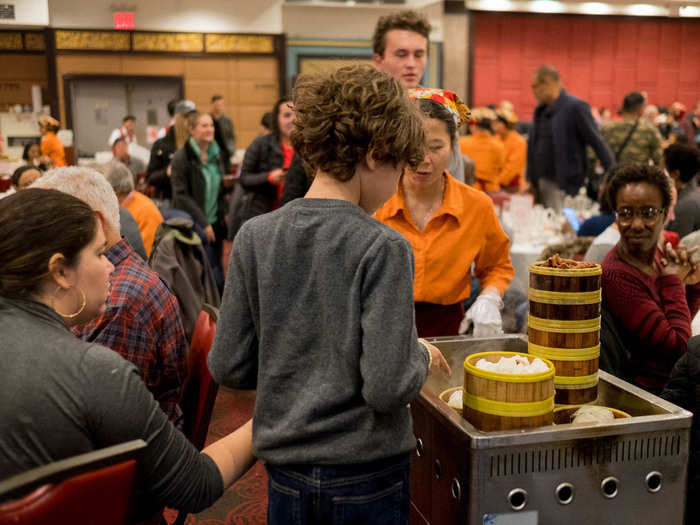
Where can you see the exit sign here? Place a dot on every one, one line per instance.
(123, 20)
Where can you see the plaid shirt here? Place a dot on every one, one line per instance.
(142, 323)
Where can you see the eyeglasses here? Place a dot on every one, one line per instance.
(648, 214)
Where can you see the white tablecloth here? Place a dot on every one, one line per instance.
(522, 256)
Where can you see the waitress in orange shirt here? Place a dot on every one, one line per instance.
(51, 146)
(451, 227)
(515, 148)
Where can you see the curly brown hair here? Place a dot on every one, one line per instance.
(341, 117)
(407, 20)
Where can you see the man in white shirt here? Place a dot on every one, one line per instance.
(126, 132)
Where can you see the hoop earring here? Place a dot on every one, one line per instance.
(80, 310)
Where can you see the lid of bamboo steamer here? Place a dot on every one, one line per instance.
(540, 268)
(471, 368)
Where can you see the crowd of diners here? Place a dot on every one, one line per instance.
(355, 236)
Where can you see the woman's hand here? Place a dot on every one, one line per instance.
(209, 234)
(437, 360)
(277, 176)
(693, 276)
(676, 261)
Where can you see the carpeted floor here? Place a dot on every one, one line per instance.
(245, 502)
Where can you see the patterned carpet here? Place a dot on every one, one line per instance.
(245, 502)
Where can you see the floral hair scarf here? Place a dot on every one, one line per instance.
(458, 109)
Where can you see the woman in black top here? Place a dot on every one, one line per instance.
(62, 396)
(266, 162)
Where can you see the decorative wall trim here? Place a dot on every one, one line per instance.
(11, 40)
(92, 40)
(14, 41)
(34, 41)
(192, 44)
(171, 42)
(219, 43)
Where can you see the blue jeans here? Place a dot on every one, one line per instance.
(375, 493)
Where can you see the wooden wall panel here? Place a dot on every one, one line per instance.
(600, 58)
(249, 85)
(18, 72)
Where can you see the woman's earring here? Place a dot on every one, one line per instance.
(80, 310)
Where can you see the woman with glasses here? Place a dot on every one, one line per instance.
(650, 291)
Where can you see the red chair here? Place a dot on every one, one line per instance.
(93, 488)
(199, 391)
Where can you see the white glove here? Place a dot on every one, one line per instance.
(485, 313)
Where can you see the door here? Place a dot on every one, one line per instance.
(97, 108)
(98, 105)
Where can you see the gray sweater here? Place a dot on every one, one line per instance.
(60, 396)
(318, 314)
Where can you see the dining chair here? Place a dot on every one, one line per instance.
(92, 488)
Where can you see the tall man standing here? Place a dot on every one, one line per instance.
(556, 151)
(224, 133)
(400, 46)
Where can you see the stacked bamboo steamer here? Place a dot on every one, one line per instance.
(564, 327)
(496, 401)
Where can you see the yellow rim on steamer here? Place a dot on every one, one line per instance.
(506, 408)
(539, 269)
(563, 327)
(510, 378)
(575, 382)
(564, 354)
(564, 298)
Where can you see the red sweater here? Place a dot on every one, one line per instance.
(656, 311)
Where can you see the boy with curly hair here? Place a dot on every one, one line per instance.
(317, 313)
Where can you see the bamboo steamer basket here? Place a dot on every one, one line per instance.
(495, 401)
(564, 327)
(562, 414)
(445, 396)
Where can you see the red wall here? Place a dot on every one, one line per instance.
(600, 58)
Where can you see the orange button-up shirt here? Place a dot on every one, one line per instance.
(463, 231)
(513, 170)
(487, 153)
(51, 147)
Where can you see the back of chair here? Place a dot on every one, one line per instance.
(94, 488)
(200, 390)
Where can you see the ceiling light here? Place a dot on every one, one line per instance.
(646, 10)
(595, 8)
(689, 10)
(547, 6)
(492, 5)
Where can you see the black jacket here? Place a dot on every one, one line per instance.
(162, 154)
(262, 156)
(189, 186)
(683, 389)
(573, 128)
(296, 183)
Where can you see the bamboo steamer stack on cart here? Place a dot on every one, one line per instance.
(564, 325)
